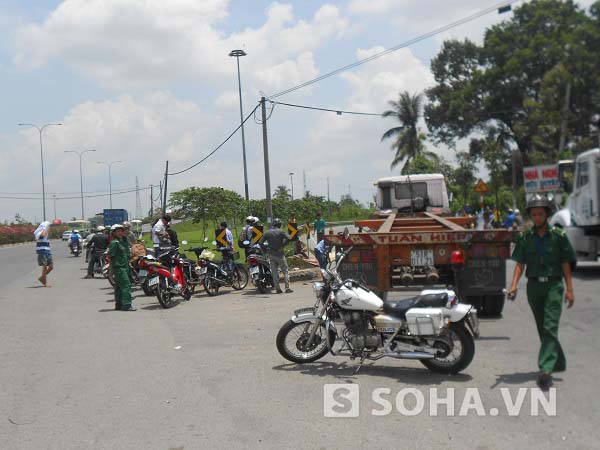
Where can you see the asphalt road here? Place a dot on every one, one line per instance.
(76, 374)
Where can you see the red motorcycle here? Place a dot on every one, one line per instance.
(170, 280)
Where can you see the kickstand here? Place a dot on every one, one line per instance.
(362, 360)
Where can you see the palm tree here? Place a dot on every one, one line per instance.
(408, 138)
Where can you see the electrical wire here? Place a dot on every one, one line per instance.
(218, 147)
(75, 197)
(408, 43)
(337, 111)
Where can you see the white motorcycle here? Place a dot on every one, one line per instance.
(432, 327)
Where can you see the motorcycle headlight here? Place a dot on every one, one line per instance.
(318, 289)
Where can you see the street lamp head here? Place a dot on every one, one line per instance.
(237, 53)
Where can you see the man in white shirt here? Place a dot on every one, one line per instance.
(160, 237)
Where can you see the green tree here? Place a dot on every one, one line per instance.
(513, 85)
(408, 139)
(282, 192)
(212, 204)
(463, 177)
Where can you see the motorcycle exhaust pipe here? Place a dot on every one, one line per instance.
(410, 355)
(432, 276)
(406, 279)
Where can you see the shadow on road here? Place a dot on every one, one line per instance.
(108, 310)
(518, 378)
(493, 338)
(347, 371)
(587, 272)
(152, 307)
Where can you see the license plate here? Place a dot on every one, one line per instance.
(153, 281)
(421, 258)
(254, 270)
(142, 273)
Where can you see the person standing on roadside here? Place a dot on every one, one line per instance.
(319, 228)
(546, 255)
(160, 237)
(276, 239)
(119, 264)
(128, 236)
(42, 249)
(321, 254)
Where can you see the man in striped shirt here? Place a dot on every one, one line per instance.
(42, 242)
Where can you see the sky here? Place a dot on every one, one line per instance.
(145, 81)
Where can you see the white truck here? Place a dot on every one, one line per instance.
(581, 216)
(413, 193)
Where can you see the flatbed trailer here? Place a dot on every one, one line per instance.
(393, 252)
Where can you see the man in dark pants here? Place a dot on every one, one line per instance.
(276, 240)
(547, 253)
(98, 244)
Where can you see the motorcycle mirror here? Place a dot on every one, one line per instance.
(246, 242)
(346, 233)
(184, 242)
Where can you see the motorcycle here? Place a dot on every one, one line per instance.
(431, 327)
(75, 248)
(220, 274)
(171, 281)
(197, 271)
(259, 268)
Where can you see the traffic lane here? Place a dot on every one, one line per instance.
(20, 262)
(77, 373)
(207, 372)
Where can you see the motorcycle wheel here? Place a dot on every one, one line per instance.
(240, 278)
(210, 286)
(454, 361)
(111, 276)
(292, 339)
(149, 291)
(164, 295)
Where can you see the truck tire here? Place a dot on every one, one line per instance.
(493, 305)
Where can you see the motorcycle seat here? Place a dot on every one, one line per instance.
(399, 308)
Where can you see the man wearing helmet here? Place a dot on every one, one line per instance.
(545, 254)
(119, 263)
(275, 240)
(97, 245)
(246, 234)
(128, 236)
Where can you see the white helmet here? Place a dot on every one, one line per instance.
(517, 211)
(75, 231)
(100, 229)
(250, 219)
(116, 226)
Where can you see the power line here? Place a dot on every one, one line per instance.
(397, 47)
(337, 111)
(218, 147)
(73, 198)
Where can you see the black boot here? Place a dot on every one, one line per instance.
(544, 381)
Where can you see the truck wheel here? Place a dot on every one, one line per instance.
(493, 305)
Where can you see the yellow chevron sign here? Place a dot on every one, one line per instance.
(220, 237)
(292, 229)
(257, 233)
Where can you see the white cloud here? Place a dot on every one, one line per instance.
(127, 44)
(360, 7)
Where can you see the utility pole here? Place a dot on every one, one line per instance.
(54, 196)
(165, 188)
(138, 200)
(292, 183)
(151, 201)
(304, 182)
(160, 195)
(564, 119)
(237, 54)
(328, 199)
(263, 108)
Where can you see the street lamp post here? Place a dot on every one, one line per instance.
(40, 130)
(109, 165)
(80, 154)
(237, 54)
(292, 183)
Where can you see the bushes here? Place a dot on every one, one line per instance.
(15, 234)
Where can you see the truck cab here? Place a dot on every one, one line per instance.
(581, 216)
(412, 193)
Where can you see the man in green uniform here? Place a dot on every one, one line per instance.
(119, 261)
(547, 253)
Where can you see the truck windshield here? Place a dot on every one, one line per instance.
(403, 190)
